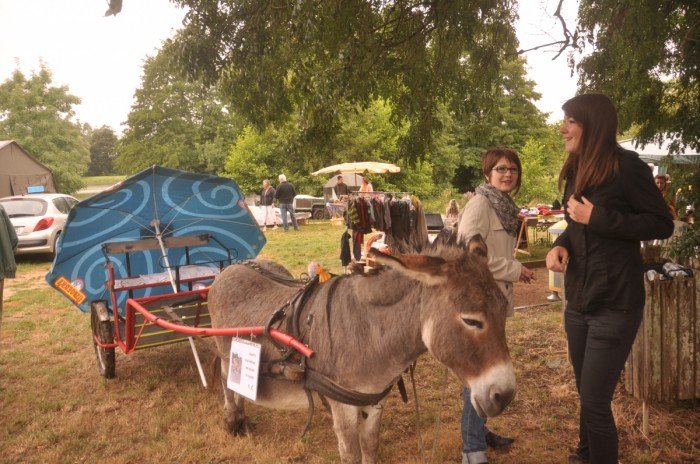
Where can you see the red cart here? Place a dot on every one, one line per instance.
(172, 317)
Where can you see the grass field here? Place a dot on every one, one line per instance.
(54, 406)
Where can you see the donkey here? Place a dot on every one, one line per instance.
(366, 329)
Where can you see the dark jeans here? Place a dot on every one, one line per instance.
(599, 343)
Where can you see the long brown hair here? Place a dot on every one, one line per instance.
(492, 156)
(597, 158)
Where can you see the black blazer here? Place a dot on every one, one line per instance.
(605, 264)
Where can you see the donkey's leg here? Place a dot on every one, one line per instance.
(345, 422)
(235, 420)
(370, 422)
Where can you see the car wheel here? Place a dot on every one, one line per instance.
(319, 213)
(52, 253)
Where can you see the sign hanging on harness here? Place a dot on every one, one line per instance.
(244, 368)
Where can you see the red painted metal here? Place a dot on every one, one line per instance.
(137, 304)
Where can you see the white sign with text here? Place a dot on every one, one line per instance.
(244, 368)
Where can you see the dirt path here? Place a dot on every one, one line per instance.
(25, 280)
(534, 293)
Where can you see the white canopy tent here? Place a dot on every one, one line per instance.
(654, 153)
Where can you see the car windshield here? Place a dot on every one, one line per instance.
(24, 207)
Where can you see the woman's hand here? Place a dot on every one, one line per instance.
(526, 275)
(579, 211)
(557, 258)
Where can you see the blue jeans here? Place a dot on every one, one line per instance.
(284, 207)
(599, 342)
(473, 432)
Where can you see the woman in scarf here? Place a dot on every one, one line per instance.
(492, 213)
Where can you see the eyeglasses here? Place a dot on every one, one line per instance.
(504, 169)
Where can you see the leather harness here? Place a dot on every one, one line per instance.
(298, 371)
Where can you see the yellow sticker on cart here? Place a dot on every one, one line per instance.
(67, 288)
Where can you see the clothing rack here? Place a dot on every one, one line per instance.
(398, 214)
(382, 193)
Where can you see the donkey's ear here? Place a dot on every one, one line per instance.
(478, 249)
(426, 269)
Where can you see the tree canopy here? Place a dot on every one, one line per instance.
(174, 123)
(38, 116)
(273, 58)
(103, 150)
(646, 57)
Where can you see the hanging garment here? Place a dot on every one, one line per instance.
(345, 258)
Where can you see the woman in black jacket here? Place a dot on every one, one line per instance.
(611, 204)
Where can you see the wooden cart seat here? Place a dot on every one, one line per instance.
(188, 272)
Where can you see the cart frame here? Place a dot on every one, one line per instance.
(166, 318)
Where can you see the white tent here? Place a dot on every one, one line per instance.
(654, 153)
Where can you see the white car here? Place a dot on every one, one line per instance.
(38, 219)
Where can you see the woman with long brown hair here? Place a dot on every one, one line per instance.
(611, 204)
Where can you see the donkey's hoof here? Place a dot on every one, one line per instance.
(238, 427)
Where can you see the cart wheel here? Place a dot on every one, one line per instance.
(106, 360)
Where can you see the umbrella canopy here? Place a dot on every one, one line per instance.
(655, 153)
(371, 167)
(156, 200)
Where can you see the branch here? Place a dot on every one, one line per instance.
(569, 40)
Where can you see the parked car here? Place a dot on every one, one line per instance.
(38, 220)
(316, 206)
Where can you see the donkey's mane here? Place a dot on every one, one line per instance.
(445, 246)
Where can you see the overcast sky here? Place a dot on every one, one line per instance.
(100, 58)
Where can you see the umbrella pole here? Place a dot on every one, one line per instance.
(156, 224)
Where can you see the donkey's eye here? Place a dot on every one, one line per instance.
(473, 323)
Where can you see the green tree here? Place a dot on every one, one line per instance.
(39, 116)
(254, 157)
(311, 58)
(512, 120)
(646, 57)
(174, 123)
(541, 159)
(103, 151)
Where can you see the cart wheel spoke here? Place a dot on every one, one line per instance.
(103, 331)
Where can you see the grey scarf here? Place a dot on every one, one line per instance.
(506, 209)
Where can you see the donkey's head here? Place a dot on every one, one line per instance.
(463, 316)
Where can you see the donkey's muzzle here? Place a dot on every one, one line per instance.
(493, 391)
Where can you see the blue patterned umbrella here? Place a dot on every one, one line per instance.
(155, 203)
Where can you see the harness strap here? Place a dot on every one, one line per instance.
(325, 386)
(290, 281)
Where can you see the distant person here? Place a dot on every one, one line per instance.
(285, 193)
(661, 181)
(366, 187)
(611, 206)
(492, 213)
(452, 213)
(340, 188)
(267, 203)
(8, 245)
